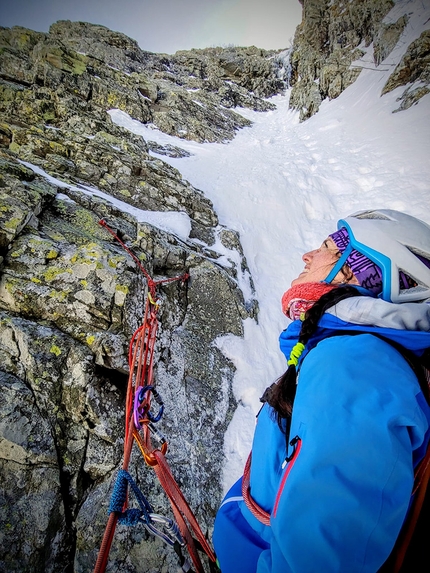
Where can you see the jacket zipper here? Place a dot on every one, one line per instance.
(297, 444)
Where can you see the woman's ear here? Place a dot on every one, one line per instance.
(350, 277)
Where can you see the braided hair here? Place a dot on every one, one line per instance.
(282, 393)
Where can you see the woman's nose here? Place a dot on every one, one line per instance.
(307, 257)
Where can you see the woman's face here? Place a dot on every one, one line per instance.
(318, 264)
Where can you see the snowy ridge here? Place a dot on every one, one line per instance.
(177, 223)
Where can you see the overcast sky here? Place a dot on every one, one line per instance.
(169, 25)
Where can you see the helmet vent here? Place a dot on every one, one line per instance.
(420, 254)
(417, 289)
(406, 281)
(372, 215)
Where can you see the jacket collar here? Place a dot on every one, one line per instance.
(407, 324)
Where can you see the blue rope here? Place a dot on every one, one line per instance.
(144, 515)
(118, 498)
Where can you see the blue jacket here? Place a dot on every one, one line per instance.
(362, 424)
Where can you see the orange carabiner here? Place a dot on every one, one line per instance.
(150, 459)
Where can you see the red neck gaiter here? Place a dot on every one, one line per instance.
(299, 298)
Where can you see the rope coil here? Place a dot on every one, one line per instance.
(145, 515)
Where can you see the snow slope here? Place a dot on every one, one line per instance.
(283, 185)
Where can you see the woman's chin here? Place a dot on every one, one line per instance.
(301, 279)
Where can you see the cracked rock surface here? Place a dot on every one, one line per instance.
(71, 297)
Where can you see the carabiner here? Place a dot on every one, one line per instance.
(141, 411)
(171, 533)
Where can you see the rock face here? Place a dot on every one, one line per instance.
(71, 297)
(331, 39)
(413, 69)
(83, 69)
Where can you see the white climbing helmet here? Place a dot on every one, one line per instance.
(392, 240)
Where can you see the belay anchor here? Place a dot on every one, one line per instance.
(140, 427)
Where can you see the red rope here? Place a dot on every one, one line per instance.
(257, 511)
(141, 364)
(151, 283)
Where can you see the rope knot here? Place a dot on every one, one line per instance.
(131, 517)
(119, 499)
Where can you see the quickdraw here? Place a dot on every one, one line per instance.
(140, 426)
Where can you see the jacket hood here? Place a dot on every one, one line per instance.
(407, 324)
(363, 310)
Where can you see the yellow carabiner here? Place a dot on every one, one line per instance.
(152, 301)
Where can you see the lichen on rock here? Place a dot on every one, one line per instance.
(70, 299)
(412, 71)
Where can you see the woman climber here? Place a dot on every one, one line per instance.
(329, 480)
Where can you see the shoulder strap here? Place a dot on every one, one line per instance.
(420, 365)
(411, 542)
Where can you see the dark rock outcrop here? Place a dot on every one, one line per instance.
(412, 71)
(330, 41)
(80, 67)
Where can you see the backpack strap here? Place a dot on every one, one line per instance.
(404, 543)
(420, 365)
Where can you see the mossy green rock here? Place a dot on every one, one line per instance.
(414, 67)
(70, 300)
